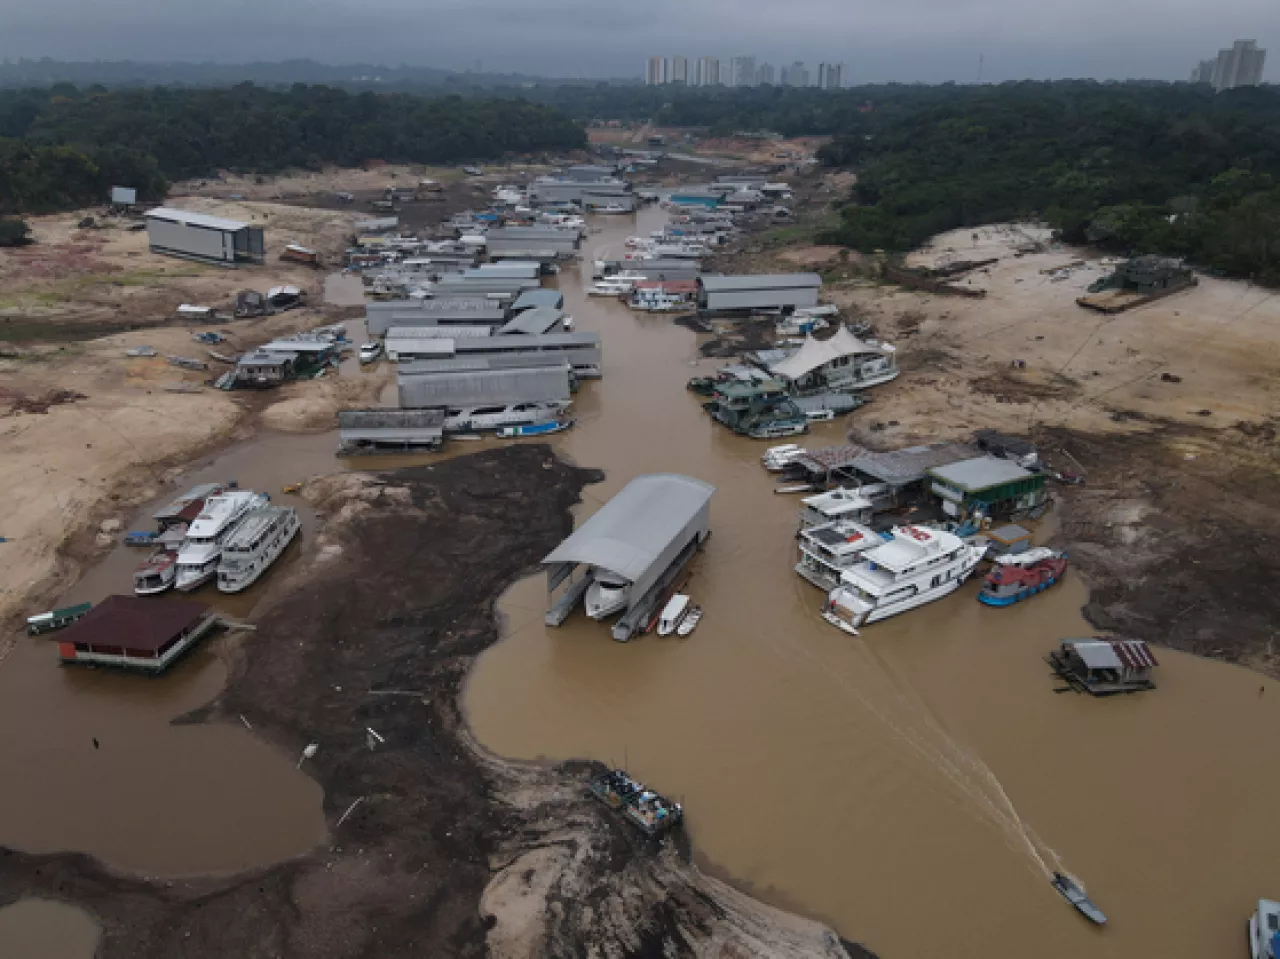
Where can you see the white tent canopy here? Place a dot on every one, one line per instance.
(816, 353)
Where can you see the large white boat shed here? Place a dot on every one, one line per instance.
(208, 239)
(644, 536)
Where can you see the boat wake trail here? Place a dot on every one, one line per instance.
(910, 719)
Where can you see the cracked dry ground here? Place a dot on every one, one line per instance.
(449, 852)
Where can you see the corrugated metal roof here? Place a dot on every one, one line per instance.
(530, 299)
(979, 473)
(437, 331)
(196, 219)
(420, 345)
(391, 419)
(534, 322)
(633, 529)
(499, 361)
(718, 283)
(543, 340)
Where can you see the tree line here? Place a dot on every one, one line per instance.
(1172, 169)
(62, 147)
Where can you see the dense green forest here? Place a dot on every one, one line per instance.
(62, 147)
(1154, 168)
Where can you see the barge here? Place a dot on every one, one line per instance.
(1104, 667)
(645, 809)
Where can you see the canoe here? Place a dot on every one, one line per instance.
(1074, 893)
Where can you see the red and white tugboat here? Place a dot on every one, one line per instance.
(1019, 575)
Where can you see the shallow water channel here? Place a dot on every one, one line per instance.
(911, 785)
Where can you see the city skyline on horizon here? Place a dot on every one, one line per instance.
(744, 70)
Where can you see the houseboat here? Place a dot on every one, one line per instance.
(129, 632)
(201, 550)
(916, 566)
(1017, 576)
(156, 573)
(643, 808)
(470, 419)
(254, 545)
(852, 503)
(1104, 667)
(828, 550)
(1264, 930)
(761, 410)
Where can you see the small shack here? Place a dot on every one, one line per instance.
(261, 369)
(204, 238)
(1104, 667)
(367, 431)
(771, 291)
(134, 632)
(644, 537)
(987, 484)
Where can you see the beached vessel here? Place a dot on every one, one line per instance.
(202, 549)
(673, 614)
(1264, 930)
(648, 811)
(1017, 576)
(916, 566)
(156, 573)
(255, 543)
(1074, 893)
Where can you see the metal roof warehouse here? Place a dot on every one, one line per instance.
(205, 238)
(718, 293)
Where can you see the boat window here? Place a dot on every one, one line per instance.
(1273, 922)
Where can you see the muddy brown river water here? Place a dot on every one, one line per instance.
(909, 786)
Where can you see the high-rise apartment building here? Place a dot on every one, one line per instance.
(679, 71)
(1238, 66)
(742, 72)
(706, 72)
(830, 76)
(796, 75)
(656, 73)
(764, 74)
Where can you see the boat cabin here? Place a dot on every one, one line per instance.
(1103, 667)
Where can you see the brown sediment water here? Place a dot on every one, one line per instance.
(43, 929)
(912, 785)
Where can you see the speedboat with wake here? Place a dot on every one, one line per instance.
(1074, 893)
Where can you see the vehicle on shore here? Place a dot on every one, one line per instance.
(918, 565)
(254, 545)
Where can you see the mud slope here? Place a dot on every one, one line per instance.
(447, 852)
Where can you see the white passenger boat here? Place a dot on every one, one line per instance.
(156, 573)
(917, 566)
(469, 419)
(673, 614)
(1264, 930)
(828, 550)
(607, 594)
(202, 549)
(610, 287)
(776, 458)
(254, 545)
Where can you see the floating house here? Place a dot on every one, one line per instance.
(761, 409)
(692, 196)
(582, 350)
(405, 344)
(634, 548)
(472, 310)
(744, 294)
(134, 632)
(1104, 667)
(204, 238)
(367, 431)
(840, 362)
(473, 381)
(989, 485)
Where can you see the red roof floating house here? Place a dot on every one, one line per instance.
(134, 632)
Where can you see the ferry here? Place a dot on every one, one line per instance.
(828, 550)
(254, 545)
(916, 566)
(156, 573)
(201, 550)
(469, 419)
(1019, 575)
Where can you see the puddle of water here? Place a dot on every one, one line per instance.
(927, 762)
(43, 929)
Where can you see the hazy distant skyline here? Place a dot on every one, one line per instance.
(878, 40)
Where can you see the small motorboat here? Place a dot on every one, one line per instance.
(1074, 893)
(1017, 576)
(292, 487)
(140, 537)
(778, 458)
(690, 621)
(535, 429)
(672, 614)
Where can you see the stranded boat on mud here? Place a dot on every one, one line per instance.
(1017, 576)
(1074, 893)
(644, 808)
(254, 545)
(917, 566)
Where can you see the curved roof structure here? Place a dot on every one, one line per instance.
(815, 353)
(633, 530)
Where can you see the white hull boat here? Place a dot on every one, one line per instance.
(1264, 930)
(473, 418)
(157, 573)
(673, 614)
(690, 621)
(917, 566)
(202, 549)
(606, 595)
(254, 545)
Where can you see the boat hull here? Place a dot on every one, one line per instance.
(990, 600)
(187, 584)
(237, 584)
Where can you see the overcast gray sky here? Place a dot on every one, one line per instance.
(902, 40)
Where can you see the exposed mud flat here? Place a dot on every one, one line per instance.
(435, 848)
